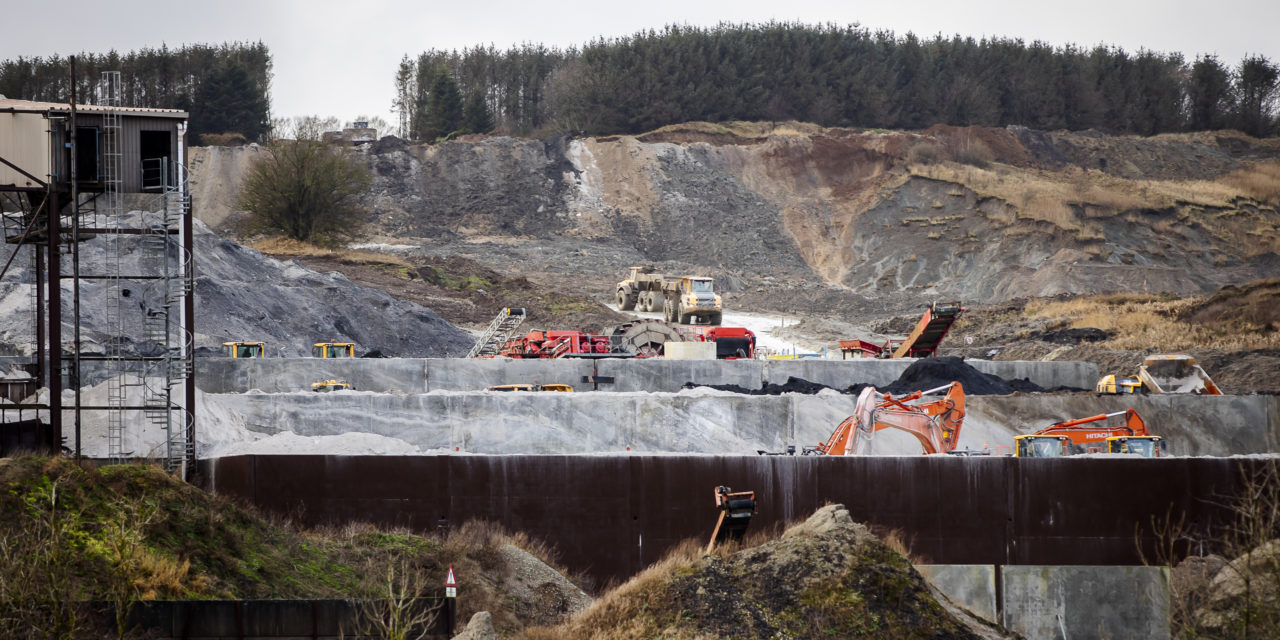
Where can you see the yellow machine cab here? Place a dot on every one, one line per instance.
(531, 387)
(244, 349)
(330, 385)
(333, 350)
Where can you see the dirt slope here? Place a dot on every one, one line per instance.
(825, 577)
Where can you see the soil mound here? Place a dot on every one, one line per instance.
(860, 587)
(930, 373)
(925, 373)
(1256, 303)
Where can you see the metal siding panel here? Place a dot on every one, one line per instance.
(24, 141)
(610, 516)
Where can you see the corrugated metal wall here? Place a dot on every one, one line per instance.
(611, 516)
(25, 141)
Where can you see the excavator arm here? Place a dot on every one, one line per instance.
(936, 424)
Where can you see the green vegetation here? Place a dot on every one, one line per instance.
(306, 189)
(843, 76)
(224, 87)
(129, 533)
(458, 282)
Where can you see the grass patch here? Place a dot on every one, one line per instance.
(131, 532)
(1145, 321)
(455, 281)
(1068, 198)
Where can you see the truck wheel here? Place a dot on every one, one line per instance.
(646, 301)
(667, 311)
(626, 301)
(686, 318)
(714, 319)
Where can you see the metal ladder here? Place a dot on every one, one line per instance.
(117, 388)
(498, 333)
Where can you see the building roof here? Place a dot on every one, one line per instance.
(9, 104)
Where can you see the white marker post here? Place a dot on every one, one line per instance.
(451, 601)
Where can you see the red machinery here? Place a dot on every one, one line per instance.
(936, 423)
(732, 343)
(921, 343)
(555, 344)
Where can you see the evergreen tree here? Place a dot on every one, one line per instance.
(475, 115)
(444, 107)
(1257, 90)
(227, 102)
(1208, 95)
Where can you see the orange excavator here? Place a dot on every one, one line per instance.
(1083, 436)
(936, 423)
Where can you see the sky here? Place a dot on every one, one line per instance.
(339, 58)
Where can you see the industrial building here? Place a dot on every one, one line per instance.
(82, 186)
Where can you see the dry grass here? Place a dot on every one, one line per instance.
(1067, 199)
(282, 246)
(1140, 321)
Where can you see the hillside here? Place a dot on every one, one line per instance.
(851, 232)
(978, 214)
(128, 533)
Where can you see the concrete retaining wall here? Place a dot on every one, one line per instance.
(1058, 603)
(694, 421)
(1062, 602)
(396, 375)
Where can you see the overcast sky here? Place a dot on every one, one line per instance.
(339, 58)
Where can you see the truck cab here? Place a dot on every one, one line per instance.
(333, 350)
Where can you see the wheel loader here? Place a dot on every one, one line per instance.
(333, 350)
(244, 349)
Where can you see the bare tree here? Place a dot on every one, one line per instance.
(400, 613)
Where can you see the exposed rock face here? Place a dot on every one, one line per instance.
(855, 210)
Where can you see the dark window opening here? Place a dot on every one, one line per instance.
(86, 155)
(155, 148)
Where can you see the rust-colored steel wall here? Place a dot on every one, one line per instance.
(611, 516)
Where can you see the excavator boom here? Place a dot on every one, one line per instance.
(936, 424)
(1085, 436)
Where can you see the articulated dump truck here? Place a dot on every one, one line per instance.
(682, 299)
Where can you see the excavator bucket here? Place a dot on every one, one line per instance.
(736, 510)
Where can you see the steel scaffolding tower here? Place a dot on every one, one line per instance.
(134, 268)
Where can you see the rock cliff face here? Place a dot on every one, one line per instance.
(976, 214)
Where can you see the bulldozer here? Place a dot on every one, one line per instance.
(244, 349)
(682, 299)
(333, 350)
(936, 423)
(1082, 435)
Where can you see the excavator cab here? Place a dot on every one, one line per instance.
(1145, 446)
(1033, 446)
(244, 349)
(333, 350)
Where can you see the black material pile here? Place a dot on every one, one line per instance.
(925, 373)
